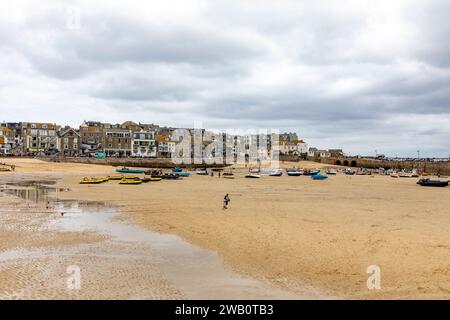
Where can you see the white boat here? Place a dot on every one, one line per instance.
(331, 171)
(276, 173)
(403, 174)
(201, 172)
(253, 176)
(394, 175)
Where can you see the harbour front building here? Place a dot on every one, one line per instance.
(6, 141)
(117, 141)
(144, 144)
(91, 137)
(69, 142)
(39, 139)
(165, 146)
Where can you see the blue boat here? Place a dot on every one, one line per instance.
(126, 170)
(182, 174)
(311, 172)
(319, 176)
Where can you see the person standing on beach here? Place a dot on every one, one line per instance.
(226, 200)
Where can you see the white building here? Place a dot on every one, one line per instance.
(144, 144)
(294, 148)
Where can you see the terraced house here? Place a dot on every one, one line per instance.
(144, 144)
(117, 140)
(69, 142)
(7, 140)
(165, 146)
(91, 136)
(39, 138)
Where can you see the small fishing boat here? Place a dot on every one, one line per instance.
(201, 172)
(276, 173)
(311, 172)
(331, 171)
(182, 174)
(253, 176)
(362, 172)
(425, 182)
(349, 171)
(153, 173)
(145, 180)
(155, 179)
(93, 180)
(3, 169)
(169, 176)
(127, 170)
(403, 174)
(414, 174)
(294, 173)
(228, 174)
(394, 175)
(319, 176)
(116, 177)
(131, 181)
(177, 169)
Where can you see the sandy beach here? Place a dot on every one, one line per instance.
(291, 235)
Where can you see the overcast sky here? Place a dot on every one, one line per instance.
(360, 75)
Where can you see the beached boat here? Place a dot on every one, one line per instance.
(311, 172)
(319, 176)
(201, 172)
(116, 177)
(331, 171)
(228, 174)
(394, 175)
(404, 175)
(276, 173)
(3, 169)
(145, 180)
(294, 173)
(93, 180)
(127, 170)
(182, 174)
(363, 172)
(253, 176)
(349, 171)
(414, 174)
(425, 182)
(130, 181)
(169, 176)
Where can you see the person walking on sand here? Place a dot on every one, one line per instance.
(226, 200)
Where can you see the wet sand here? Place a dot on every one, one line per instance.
(308, 239)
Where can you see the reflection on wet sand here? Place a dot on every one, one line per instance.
(131, 263)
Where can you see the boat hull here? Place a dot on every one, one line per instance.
(124, 170)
